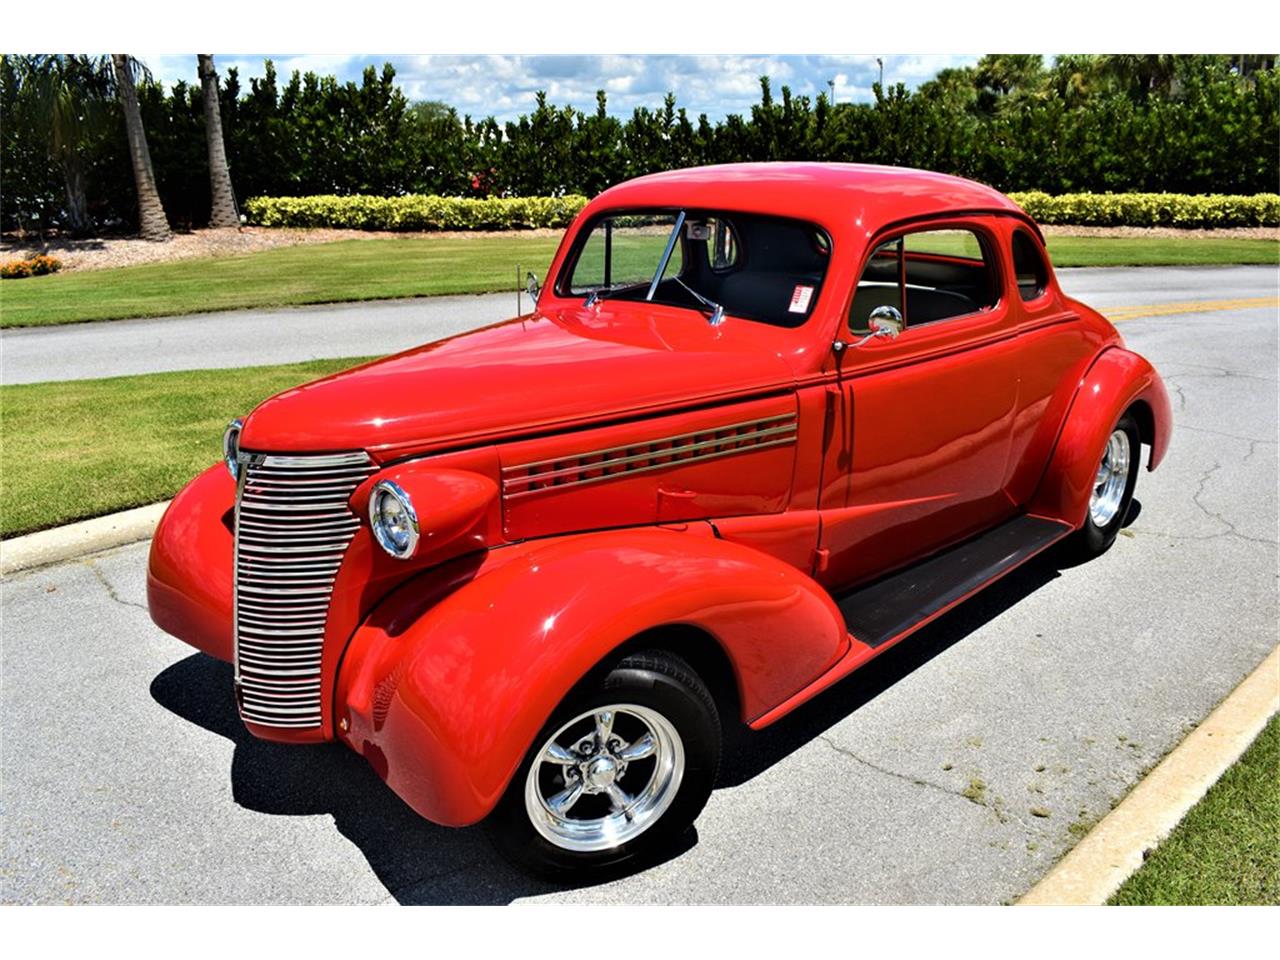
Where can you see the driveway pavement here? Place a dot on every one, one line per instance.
(245, 338)
(955, 769)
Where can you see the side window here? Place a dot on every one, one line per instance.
(928, 275)
(722, 244)
(1028, 266)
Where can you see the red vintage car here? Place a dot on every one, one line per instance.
(765, 421)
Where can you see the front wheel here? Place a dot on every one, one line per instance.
(1111, 494)
(616, 776)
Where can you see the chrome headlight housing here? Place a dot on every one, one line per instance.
(231, 448)
(394, 521)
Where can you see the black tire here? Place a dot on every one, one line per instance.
(1092, 540)
(655, 680)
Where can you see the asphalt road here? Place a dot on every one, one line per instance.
(257, 337)
(126, 777)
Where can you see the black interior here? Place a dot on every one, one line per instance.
(774, 257)
(937, 288)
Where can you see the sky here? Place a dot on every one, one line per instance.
(504, 85)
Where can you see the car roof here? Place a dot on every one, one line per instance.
(863, 198)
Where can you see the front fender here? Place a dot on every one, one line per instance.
(446, 684)
(192, 564)
(1118, 380)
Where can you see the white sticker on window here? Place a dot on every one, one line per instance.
(800, 298)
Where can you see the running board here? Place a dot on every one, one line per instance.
(894, 605)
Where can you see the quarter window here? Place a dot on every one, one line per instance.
(1028, 266)
(928, 276)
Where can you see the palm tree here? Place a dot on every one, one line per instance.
(67, 96)
(152, 223)
(223, 211)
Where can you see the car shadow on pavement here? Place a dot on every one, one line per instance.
(421, 863)
(754, 752)
(417, 861)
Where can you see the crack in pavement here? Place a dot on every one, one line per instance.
(1001, 813)
(1230, 436)
(111, 590)
(1214, 515)
(1217, 373)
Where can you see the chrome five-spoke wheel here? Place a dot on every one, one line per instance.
(616, 776)
(1110, 495)
(604, 777)
(1112, 479)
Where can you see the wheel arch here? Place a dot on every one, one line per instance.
(444, 698)
(702, 651)
(1118, 381)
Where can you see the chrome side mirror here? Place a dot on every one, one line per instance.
(531, 287)
(884, 323)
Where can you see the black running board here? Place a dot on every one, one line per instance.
(889, 607)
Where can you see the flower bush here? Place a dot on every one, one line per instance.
(35, 267)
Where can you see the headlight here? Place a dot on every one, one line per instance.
(231, 448)
(394, 521)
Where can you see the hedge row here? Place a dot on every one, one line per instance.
(414, 212)
(420, 212)
(1152, 209)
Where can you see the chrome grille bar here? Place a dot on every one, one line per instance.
(293, 528)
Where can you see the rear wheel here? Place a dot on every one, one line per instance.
(617, 775)
(1112, 492)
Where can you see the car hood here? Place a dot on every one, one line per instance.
(539, 372)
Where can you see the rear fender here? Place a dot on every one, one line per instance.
(1117, 381)
(446, 684)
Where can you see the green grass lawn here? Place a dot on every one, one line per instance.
(88, 447)
(311, 273)
(426, 266)
(1227, 848)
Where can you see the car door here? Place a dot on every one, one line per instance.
(928, 414)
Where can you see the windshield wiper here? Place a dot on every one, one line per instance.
(717, 311)
(606, 293)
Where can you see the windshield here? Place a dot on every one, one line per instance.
(767, 269)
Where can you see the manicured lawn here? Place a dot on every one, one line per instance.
(1156, 252)
(311, 273)
(1227, 848)
(88, 447)
(417, 266)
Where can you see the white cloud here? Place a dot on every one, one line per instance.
(505, 85)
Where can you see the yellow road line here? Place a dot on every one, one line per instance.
(1120, 314)
(1114, 849)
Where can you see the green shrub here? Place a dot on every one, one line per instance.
(414, 212)
(35, 267)
(1152, 209)
(428, 213)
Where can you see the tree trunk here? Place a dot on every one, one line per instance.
(77, 202)
(223, 210)
(152, 223)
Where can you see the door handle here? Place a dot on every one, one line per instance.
(677, 494)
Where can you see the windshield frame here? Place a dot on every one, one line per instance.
(562, 286)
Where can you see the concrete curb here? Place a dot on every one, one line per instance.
(77, 539)
(1105, 858)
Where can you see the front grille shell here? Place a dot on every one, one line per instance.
(293, 526)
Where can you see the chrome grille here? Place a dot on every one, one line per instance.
(292, 528)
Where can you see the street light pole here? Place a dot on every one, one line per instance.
(880, 63)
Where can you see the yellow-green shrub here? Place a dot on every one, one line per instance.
(414, 212)
(1152, 209)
